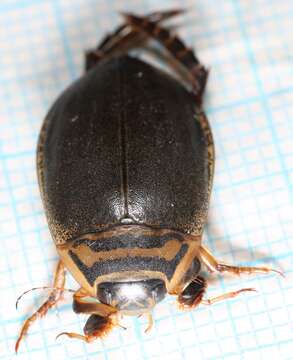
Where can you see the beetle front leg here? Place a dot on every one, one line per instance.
(214, 265)
(80, 305)
(54, 297)
(95, 328)
(102, 320)
(193, 295)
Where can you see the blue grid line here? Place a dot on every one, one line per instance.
(205, 342)
(202, 309)
(68, 53)
(263, 97)
(269, 119)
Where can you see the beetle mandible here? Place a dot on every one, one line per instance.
(125, 165)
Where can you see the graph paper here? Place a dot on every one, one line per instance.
(248, 47)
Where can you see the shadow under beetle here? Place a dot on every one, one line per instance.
(125, 166)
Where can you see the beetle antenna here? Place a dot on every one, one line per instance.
(41, 288)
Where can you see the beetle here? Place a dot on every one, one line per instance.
(125, 164)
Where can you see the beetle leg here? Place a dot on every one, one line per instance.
(96, 327)
(124, 34)
(214, 265)
(184, 55)
(225, 296)
(99, 324)
(192, 295)
(150, 322)
(124, 38)
(54, 297)
(80, 305)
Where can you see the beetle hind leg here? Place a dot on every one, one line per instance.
(54, 297)
(184, 55)
(123, 38)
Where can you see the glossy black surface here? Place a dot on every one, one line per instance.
(123, 145)
(132, 295)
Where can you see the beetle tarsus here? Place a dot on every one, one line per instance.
(96, 327)
(71, 335)
(150, 322)
(226, 296)
(54, 297)
(214, 265)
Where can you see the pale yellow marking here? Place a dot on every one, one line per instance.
(121, 275)
(89, 257)
(115, 276)
(204, 123)
(176, 284)
(202, 216)
(133, 275)
(76, 273)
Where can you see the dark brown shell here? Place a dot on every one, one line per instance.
(124, 144)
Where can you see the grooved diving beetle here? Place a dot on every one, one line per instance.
(125, 165)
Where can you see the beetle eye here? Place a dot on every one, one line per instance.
(108, 295)
(158, 291)
(105, 293)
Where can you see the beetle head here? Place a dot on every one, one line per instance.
(132, 297)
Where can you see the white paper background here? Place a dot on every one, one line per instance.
(248, 47)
